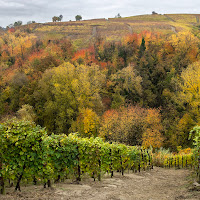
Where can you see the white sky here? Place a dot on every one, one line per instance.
(44, 10)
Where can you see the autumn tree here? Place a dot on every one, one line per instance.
(181, 112)
(188, 99)
(18, 81)
(126, 84)
(87, 123)
(152, 135)
(64, 91)
(185, 46)
(133, 126)
(183, 127)
(190, 88)
(26, 113)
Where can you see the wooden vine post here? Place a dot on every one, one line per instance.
(139, 167)
(186, 162)
(150, 165)
(178, 163)
(151, 157)
(182, 162)
(198, 172)
(2, 185)
(99, 160)
(111, 162)
(121, 163)
(175, 162)
(192, 161)
(78, 178)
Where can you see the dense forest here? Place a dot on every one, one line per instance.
(140, 89)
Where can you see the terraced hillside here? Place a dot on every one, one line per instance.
(114, 28)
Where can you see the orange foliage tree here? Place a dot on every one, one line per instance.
(85, 56)
(133, 126)
(152, 135)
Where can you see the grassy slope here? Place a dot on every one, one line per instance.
(114, 28)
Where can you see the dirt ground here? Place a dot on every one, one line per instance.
(157, 184)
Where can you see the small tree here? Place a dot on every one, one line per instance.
(31, 22)
(118, 16)
(142, 48)
(78, 17)
(54, 19)
(60, 18)
(18, 23)
(154, 13)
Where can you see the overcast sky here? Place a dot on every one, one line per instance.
(44, 10)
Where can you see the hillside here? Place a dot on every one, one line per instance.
(92, 98)
(81, 32)
(87, 76)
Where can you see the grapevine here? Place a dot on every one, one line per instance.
(28, 154)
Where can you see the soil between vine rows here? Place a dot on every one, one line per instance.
(157, 184)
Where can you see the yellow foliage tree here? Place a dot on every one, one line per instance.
(190, 89)
(67, 90)
(186, 49)
(87, 123)
(185, 124)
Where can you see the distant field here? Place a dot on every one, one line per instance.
(155, 18)
(114, 28)
(184, 18)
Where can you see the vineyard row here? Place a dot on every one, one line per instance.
(28, 154)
